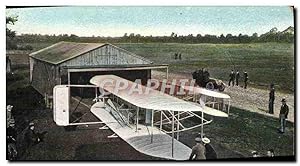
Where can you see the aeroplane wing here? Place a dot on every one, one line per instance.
(206, 92)
(149, 98)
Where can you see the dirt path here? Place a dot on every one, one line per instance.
(252, 99)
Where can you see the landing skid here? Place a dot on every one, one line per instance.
(113, 136)
(103, 128)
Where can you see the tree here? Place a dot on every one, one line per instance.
(73, 37)
(11, 21)
(131, 37)
(222, 38)
(254, 37)
(274, 30)
(10, 34)
(229, 38)
(172, 34)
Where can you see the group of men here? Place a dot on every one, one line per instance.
(31, 137)
(11, 134)
(203, 150)
(235, 76)
(270, 153)
(177, 56)
(284, 109)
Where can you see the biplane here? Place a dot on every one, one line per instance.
(145, 118)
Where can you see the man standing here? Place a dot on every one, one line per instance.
(245, 79)
(9, 114)
(198, 150)
(271, 99)
(284, 111)
(237, 77)
(206, 75)
(231, 78)
(210, 152)
(11, 137)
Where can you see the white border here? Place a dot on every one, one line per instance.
(127, 3)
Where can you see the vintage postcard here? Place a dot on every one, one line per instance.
(150, 83)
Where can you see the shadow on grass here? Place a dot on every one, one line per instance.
(246, 131)
(110, 151)
(26, 101)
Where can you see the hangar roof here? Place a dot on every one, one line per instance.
(64, 51)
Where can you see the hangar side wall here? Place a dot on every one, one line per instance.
(106, 55)
(43, 76)
(132, 75)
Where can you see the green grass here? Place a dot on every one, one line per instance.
(264, 62)
(246, 131)
(241, 133)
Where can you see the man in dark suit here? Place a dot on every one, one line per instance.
(245, 79)
(237, 77)
(210, 152)
(231, 78)
(271, 99)
(284, 111)
(32, 137)
(198, 151)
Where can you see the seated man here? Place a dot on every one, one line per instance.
(32, 137)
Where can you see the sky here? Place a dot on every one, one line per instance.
(146, 20)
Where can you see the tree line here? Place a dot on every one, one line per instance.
(22, 41)
(272, 36)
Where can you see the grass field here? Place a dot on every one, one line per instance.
(264, 62)
(241, 133)
(246, 131)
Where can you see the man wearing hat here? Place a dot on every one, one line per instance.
(210, 152)
(231, 78)
(198, 150)
(237, 77)
(270, 153)
(284, 111)
(31, 136)
(271, 99)
(8, 113)
(11, 131)
(245, 79)
(255, 154)
(11, 137)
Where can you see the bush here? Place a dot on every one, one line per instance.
(11, 45)
(25, 47)
(10, 77)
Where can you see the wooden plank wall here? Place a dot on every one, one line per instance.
(44, 77)
(106, 55)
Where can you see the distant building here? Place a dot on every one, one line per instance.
(289, 30)
(77, 63)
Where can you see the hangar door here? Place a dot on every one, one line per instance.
(61, 105)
